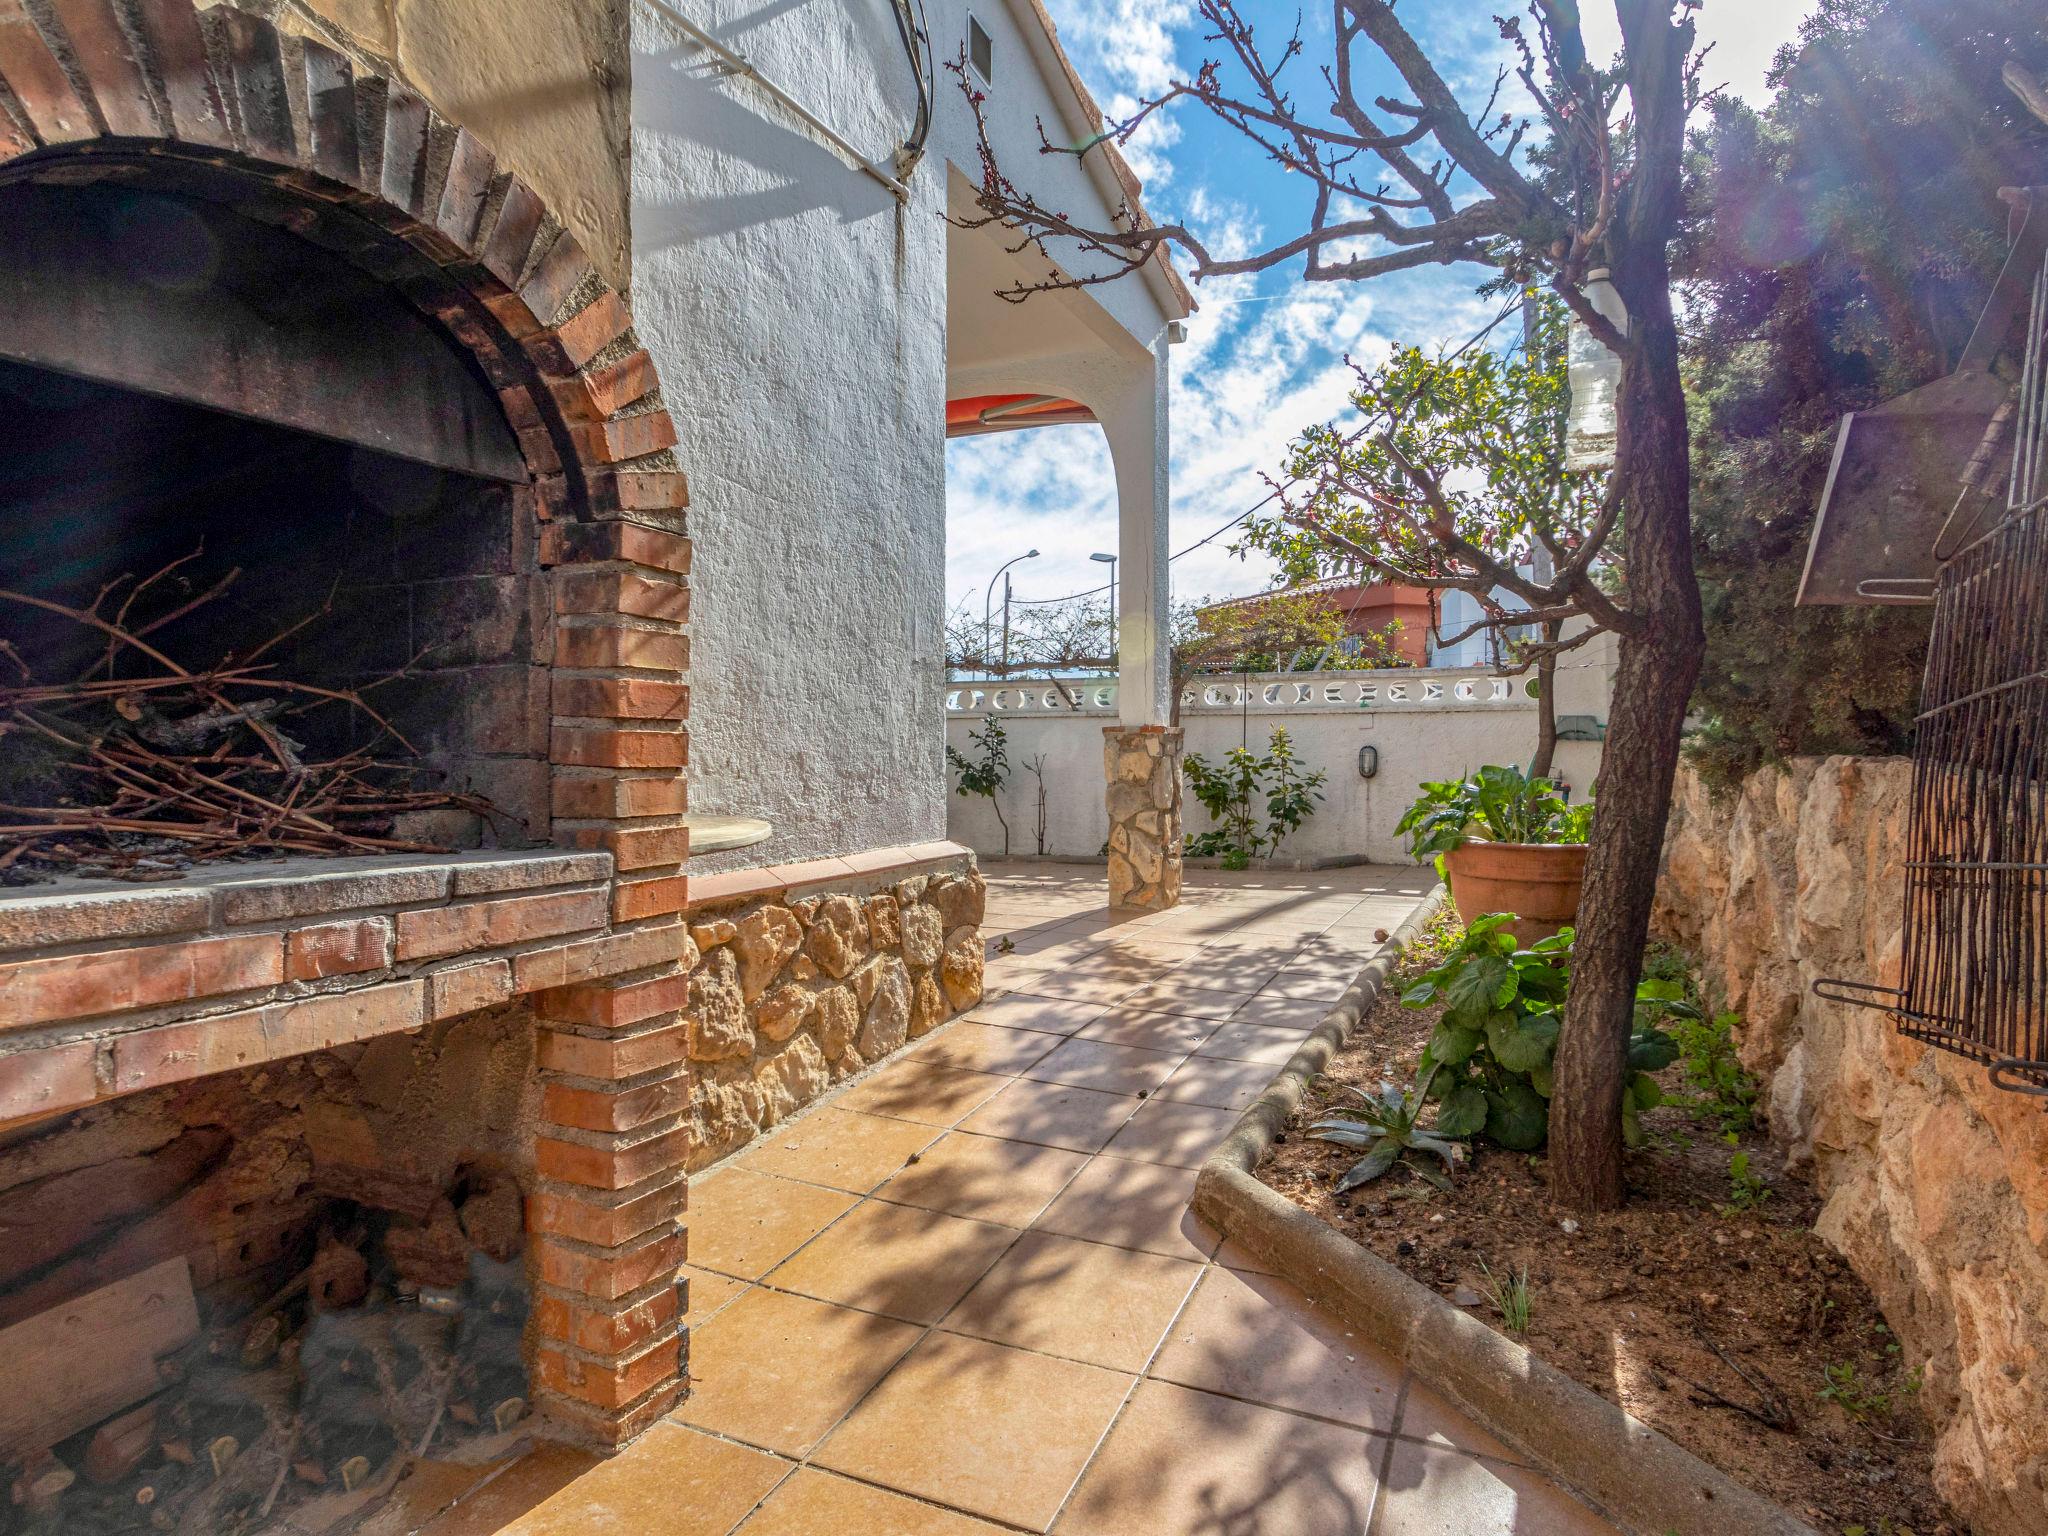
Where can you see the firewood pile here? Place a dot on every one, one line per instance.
(140, 766)
(293, 1413)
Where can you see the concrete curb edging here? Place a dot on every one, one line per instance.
(1643, 1480)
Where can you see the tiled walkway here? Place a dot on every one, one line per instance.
(965, 1296)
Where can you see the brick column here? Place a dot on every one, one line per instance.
(1142, 766)
(607, 1214)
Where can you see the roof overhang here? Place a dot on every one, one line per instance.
(1105, 164)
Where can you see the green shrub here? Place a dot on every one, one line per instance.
(1489, 1059)
(1500, 805)
(1228, 791)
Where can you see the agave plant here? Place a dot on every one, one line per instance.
(1385, 1124)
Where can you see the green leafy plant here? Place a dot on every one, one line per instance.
(1718, 1087)
(1496, 804)
(1508, 1295)
(1746, 1187)
(1489, 1057)
(1856, 1394)
(987, 771)
(1291, 790)
(1229, 791)
(1388, 1125)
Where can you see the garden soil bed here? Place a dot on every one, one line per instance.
(1699, 1319)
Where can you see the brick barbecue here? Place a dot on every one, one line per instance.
(238, 1070)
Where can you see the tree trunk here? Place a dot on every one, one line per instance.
(1658, 666)
(1546, 705)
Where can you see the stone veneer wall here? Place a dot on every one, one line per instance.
(1936, 1183)
(806, 982)
(1142, 766)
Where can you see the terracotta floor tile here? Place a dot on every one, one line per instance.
(1098, 981)
(1154, 1031)
(1183, 1463)
(708, 1292)
(1100, 1065)
(1291, 1012)
(1240, 1041)
(427, 1489)
(744, 1223)
(1163, 1131)
(1218, 1083)
(1433, 1492)
(1133, 1205)
(1048, 1015)
(899, 1259)
(1310, 988)
(983, 1048)
(1209, 972)
(1427, 1415)
(520, 1488)
(1258, 1338)
(815, 1503)
(1008, 1182)
(1243, 1260)
(1052, 1114)
(1084, 1301)
(779, 1371)
(912, 1089)
(994, 1431)
(1181, 997)
(672, 1481)
(840, 1148)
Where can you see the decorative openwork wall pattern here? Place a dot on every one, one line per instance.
(1263, 693)
(1976, 940)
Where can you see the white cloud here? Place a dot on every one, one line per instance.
(1125, 50)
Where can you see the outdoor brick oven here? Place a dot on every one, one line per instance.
(263, 312)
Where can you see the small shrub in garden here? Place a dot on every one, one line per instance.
(1499, 805)
(1386, 1124)
(987, 771)
(1227, 792)
(1746, 1187)
(1508, 1294)
(1719, 1088)
(1489, 1058)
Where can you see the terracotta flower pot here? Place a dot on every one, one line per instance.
(1538, 882)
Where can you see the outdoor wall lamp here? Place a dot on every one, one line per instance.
(1368, 762)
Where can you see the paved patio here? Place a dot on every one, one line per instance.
(965, 1295)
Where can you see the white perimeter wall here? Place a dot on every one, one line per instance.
(1417, 738)
(796, 312)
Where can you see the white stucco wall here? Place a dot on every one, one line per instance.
(796, 312)
(1416, 741)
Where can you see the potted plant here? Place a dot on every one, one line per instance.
(1506, 843)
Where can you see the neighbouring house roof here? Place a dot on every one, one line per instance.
(1106, 164)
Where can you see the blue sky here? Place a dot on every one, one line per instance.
(1265, 355)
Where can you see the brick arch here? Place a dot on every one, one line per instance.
(222, 106)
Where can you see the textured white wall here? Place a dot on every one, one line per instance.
(1356, 817)
(798, 315)
(796, 312)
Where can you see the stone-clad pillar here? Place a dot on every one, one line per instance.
(1142, 765)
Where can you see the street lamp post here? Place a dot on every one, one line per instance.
(1110, 561)
(988, 605)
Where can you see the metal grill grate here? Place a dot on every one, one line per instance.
(1975, 976)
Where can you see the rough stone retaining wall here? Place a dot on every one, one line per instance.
(1936, 1183)
(805, 982)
